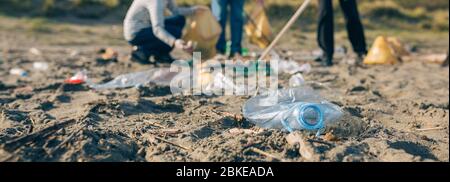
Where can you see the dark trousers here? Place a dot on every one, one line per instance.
(355, 28)
(147, 42)
(220, 10)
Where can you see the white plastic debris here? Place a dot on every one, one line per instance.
(297, 80)
(35, 51)
(79, 78)
(290, 66)
(74, 53)
(40, 66)
(18, 72)
(160, 76)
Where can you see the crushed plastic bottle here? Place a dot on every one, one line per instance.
(291, 109)
(18, 72)
(159, 76)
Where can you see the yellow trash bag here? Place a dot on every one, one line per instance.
(258, 27)
(381, 53)
(204, 32)
(397, 46)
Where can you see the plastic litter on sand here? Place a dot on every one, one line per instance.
(291, 109)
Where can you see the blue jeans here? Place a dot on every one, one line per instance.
(150, 45)
(220, 11)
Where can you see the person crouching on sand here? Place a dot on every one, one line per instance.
(151, 33)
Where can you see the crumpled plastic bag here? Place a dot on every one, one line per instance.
(158, 76)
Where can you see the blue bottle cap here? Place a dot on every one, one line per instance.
(304, 123)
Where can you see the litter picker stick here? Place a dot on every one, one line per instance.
(285, 28)
(282, 32)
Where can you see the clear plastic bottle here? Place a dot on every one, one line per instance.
(291, 109)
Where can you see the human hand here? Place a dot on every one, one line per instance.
(182, 45)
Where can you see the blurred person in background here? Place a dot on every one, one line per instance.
(236, 10)
(325, 31)
(152, 33)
